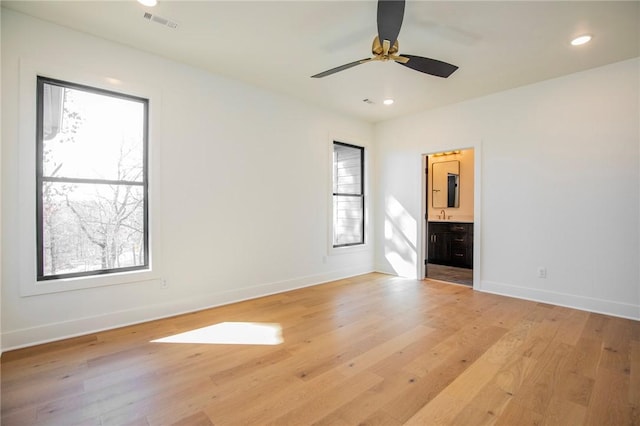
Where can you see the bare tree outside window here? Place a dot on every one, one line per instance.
(92, 181)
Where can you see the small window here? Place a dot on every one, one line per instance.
(92, 183)
(348, 195)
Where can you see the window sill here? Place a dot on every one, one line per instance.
(333, 251)
(34, 288)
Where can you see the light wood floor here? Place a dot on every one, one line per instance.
(374, 350)
(450, 274)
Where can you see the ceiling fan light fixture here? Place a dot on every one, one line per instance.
(583, 39)
(148, 3)
(388, 101)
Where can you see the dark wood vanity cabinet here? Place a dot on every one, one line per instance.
(451, 243)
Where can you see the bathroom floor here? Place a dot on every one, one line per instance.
(450, 274)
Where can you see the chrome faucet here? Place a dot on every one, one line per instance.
(444, 214)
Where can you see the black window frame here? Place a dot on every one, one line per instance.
(360, 194)
(40, 179)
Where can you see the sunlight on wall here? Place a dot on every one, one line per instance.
(230, 333)
(400, 233)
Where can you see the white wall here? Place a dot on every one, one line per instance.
(230, 159)
(244, 188)
(560, 181)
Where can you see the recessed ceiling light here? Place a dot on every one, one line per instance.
(388, 101)
(113, 80)
(148, 3)
(581, 40)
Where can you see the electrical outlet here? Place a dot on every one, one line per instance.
(542, 272)
(164, 284)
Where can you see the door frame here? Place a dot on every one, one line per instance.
(477, 212)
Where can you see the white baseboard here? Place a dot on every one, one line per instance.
(388, 271)
(62, 330)
(583, 303)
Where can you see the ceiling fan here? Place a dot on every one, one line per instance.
(385, 45)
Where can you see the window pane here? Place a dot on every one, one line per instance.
(348, 195)
(347, 174)
(89, 227)
(92, 210)
(91, 135)
(347, 220)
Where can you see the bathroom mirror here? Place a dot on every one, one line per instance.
(445, 188)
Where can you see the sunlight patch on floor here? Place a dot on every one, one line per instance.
(230, 333)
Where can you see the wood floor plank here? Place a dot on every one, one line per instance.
(609, 401)
(561, 413)
(450, 365)
(328, 401)
(362, 408)
(573, 323)
(388, 367)
(504, 314)
(485, 408)
(271, 401)
(616, 346)
(516, 414)
(368, 350)
(380, 418)
(584, 357)
(464, 389)
(375, 355)
(634, 376)
(543, 382)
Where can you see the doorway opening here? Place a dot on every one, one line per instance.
(449, 188)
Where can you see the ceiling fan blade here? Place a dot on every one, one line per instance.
(341, 68)
(390, 15)
(429, 66)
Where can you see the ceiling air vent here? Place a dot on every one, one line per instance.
(160, 20)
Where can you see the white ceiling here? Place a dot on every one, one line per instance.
(278, 45)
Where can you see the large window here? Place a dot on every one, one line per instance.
(348, 195)
(92, 181)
